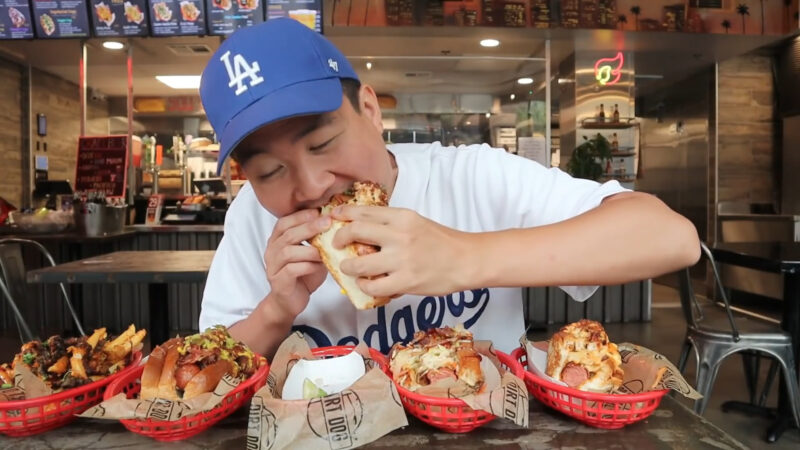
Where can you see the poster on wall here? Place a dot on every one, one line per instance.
(15, 19)
(307, 12)
(61, 18)
(177, 17)
(102, 162)
(119, 18)
(227, 16)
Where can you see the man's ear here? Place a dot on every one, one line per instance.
(368, 101)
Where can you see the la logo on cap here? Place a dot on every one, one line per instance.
(333, 64)
(241, 70)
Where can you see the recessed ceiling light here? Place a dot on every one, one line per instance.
(512, 96)
(488, 115)
(180, 81)
(369, 65)
(525, 80)
(490, 43)
(113, 45)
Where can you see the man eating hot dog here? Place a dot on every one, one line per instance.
(463, 230)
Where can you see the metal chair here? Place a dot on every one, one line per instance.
(715, 335)
(13, 282)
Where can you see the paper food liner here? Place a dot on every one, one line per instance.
(641, 366)
(26, 386)
(505, 394)
(120, 407)
(358, 415)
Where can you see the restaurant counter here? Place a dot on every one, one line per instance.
(671, 426)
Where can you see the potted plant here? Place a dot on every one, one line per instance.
(588, 159)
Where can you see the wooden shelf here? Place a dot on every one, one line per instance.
(593, 124)
(622, 154)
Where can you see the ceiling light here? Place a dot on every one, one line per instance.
(113, 45)
(512, 96)
(369, 65)
(490, 43)
(525, 80)
(468, 123)
(488, 115)
(180, 81)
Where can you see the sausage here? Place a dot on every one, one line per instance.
(185, 373)
(574, 375)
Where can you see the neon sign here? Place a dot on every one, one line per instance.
(608, 71)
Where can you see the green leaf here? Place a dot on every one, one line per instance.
(310, 390)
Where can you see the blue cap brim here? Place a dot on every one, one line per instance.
(301, 99)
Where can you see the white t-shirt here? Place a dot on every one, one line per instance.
(470, 188)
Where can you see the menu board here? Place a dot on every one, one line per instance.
(177, 17)
(61, 18)
(119, 17)
(227, 16)
(15, 20)
(101, 165)
(307, 12)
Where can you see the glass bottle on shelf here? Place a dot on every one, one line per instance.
(601, 116)
(608, 167)
(616, 113)
(614, 143)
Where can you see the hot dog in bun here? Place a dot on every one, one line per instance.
(365, 193)
(183, 368)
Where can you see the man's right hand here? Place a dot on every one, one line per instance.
(294, 270)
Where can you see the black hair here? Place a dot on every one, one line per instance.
(350, 89)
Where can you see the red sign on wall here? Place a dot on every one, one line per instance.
(102, 165)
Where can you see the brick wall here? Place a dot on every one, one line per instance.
(748, 127)
(10, 133)
(59, 100)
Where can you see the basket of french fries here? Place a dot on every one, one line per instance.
(186, 386)
(51, 381)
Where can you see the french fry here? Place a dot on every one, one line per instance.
(60, 366)
(76, 362)
(138, 338)
(119, 352)
(125, 336)
(98, 334)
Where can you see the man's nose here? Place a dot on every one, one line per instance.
(312, 183)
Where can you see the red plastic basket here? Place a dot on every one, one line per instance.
(609, 411)
(187, 426)
(37, 415)
(451, 415)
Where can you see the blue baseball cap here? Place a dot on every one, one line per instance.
(269, 72)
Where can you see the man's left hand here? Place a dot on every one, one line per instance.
(418, 256)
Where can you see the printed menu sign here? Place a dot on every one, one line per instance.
(61, 18)
(227, 16)
(15, 20)
(101, 164)
(177, 17)
(307, 12)
(119, 17)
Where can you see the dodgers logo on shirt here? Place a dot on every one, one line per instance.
(466, 307)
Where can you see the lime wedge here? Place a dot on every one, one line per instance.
(310, 390)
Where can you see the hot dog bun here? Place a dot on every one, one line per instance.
(152, 373)
(364, 193)
(581, 355)
(206, 380)
(166, 384)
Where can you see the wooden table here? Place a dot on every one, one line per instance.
(155, 268)
(672, 426)
(776, 257)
